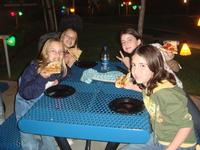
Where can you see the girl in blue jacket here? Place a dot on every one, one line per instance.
(32, 84)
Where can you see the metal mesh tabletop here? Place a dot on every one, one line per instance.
(86, 114)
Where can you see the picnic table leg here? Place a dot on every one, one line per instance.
(112, 146)
(63, 143)
(88, 145)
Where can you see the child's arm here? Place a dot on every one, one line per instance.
(173, 107)
(179, 138)
(131, 86)
(32, 84)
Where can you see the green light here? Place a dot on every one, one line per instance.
(122, 5)
(63, 7)
(134, 7)
(11, 41)
(20, 13)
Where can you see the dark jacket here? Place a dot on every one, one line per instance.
(32, 84)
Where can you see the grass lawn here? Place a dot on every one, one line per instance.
(190, 74)
(93, 37)
(91, 40)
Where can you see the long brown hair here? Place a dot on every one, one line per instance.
(155, 63)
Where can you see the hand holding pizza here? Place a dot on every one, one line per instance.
(71, 55)
(122, 81)
(131, 86)
(126, 82)
(51, 68)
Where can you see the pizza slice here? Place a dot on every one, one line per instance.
(75, 52)
(53, 68)
(122, 80)
(170, 46)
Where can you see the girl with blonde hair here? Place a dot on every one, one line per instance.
(69, 38)
(32, 84)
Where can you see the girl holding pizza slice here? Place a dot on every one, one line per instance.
(166, 103)
(46, 71)
(69, 38)
(130, 40)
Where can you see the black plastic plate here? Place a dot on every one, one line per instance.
(126, 105)
(59, 91)
(86, 64)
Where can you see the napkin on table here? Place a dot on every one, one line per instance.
(90, 74)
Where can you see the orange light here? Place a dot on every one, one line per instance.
(72, 10)
(129, 3)
(198, 23)
(185, 50)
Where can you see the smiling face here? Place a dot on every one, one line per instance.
(55, 51)
(69, 38)
(140, 70)
(129, 42)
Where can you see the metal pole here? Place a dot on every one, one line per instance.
(16, 20)
(6, 54)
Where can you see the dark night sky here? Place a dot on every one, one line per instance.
(173, 6)
(152, 6)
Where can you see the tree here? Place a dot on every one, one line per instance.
(49, 15)
(92, 6)
(141, 17)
